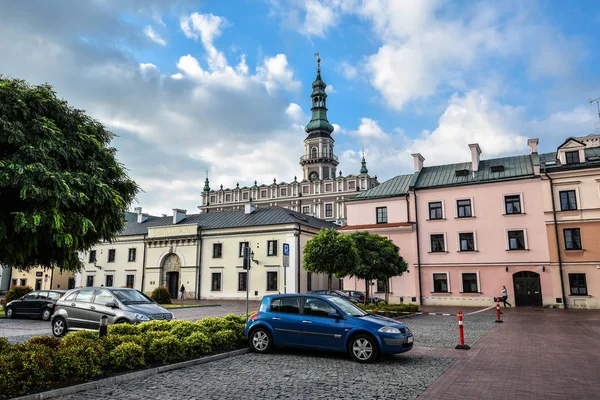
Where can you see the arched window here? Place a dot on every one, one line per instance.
(313, 152)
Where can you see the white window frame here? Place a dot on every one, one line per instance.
(325, 210)
(445, 243)
(352, 183)
(283, 192)
(520, 194)
(212, 199)
(447, 281)
(506, 242)
(221, 281)
(267, 280)
(577, 197)
(462, 289)
(476, 247)
(329, 187)
(309, 211)
(443, 210)
(456, 200)
(245, 195)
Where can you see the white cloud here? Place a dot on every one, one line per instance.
(319, 18)
(329, 89)
(296, 114)
(275, 73)
(154, 36)
(350, 72)
(207, 27)
(177, 76)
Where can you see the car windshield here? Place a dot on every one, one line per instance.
(347, 307)
(131, 296)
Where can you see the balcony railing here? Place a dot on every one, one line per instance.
(319, 156)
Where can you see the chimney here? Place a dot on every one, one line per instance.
(140, 217)
(475, 155)
(178, 215)
(418, 161)
(249, 208)
(533, 144)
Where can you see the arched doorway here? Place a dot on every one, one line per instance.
(171, 273)
(528, 289)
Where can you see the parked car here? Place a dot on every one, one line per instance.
(81, 309)
(337, 293)
(39, 304)
(325, 322)
(360, 296)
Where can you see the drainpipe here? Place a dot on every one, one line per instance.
(144, 263)
(407, 207)
(199, 267)
(298, 257)
(560, 271)
(418, 247)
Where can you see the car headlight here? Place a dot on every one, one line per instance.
(141, 317)
(389, 329)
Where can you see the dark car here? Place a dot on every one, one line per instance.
(360, 296)
(337, 293)
(39, 304)
(325, 322)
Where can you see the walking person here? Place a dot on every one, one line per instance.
(505, 297)
(182, 291)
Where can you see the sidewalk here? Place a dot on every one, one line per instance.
(534, 354)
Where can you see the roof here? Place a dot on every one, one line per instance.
(397, 186)
(517, 167)
(231, 219)
(374, 226)
(549, 162)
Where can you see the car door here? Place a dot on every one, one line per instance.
(80, 313)
(27, 304)
(285, 319)
(318, 328)
(40, 302)
(98, 308)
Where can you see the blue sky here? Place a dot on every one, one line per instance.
(223, 86)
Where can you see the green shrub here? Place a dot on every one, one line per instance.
(390, 310)
(183, 329)
(111, 342)
(10, 380)
(161, 295)
(197, 344)
(47, 341)
(4, 345)
(16, 292)
(165, 350)
(123, 329)
(151, 336)
(211, 324)
(154, 326)
(225, 340)
(127, 355)
(25, 368)
(78, 359)
(80, 338)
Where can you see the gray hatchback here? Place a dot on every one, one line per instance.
(81, 309)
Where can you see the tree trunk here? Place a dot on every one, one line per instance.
(329, 283)
(387, 291)
(366, 291)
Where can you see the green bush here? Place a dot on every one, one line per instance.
(80, 338)
(112, 341)
(127, 355)
(183, 329)
(4, 345)
(197, 344)
(161, 295)
(123, 329)
(151, 336)
(165, 350)
(211, 324)
(225, 340)
(390, 310)
(154, 326)
(78, 359)
(16, 292)
(47, 341)
(24, 370)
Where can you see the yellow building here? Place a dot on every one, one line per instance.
(43, 279)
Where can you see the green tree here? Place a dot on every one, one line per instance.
(379, 258)
(331, 253)
(61, 188)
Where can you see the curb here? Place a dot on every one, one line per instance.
(130, 376)
(180, 308)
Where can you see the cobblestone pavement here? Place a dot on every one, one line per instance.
(286, 374)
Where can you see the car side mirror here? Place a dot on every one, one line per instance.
(335, 315)
(112, 305)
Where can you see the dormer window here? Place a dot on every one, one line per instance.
(462, 172)
(572, 157)
(497, 168)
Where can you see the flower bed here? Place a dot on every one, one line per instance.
(390, 310)
(45, 362)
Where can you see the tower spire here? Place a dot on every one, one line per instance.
(318, 121)
(363, 168)
(206, 183)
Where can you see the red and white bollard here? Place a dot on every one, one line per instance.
(461, 333)
(498, 320)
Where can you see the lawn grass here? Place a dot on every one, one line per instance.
(187, 305)
(2, 313)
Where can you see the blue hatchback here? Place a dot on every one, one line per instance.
(325, 322)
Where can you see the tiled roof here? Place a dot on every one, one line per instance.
(397, 186)
(445, 175)
(231, 219)
(549, 162)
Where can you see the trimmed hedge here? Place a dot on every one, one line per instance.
(43, 362)
(390, 310)
(161, 295)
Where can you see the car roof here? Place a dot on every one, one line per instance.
(270, 296)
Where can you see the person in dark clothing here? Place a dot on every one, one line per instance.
(182, 291)
(505, 297)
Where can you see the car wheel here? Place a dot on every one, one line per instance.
(363, 348)
(59, 327)
(123, 321)
(46, 314)
(261, 340)
(8, 312)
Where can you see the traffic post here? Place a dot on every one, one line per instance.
(246, 266)
(461, 333)
(103, 326)
(286, 263)
(498, 320)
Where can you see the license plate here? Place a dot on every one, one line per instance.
(411, 339)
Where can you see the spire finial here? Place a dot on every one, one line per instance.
(206, 183)
(318, 62)
(363, 168)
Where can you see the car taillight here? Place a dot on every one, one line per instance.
(253, 316)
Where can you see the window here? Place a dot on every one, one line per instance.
(30, 296)
(109, 280)
(242, 246)
(516, 240)
(437, 243)
(89, 281)
(497, 168)
(317, 307)
(381, 215)
(85, 295)
(245, 196)
(440, 283)
(435, 210)
(380, 286)
(464, 208)
(512, 204)
(218, 250)
(23, 282)
(242, 280)
(304, 189)
(284, 191)
(92, 256)
(572, 157)
(578, 285)
(351, 185)
(271, 281)
(228, 197)
(466, 241)
(215, 285)
(131, 256)
(263, 193)
(568, 200)
(289, 305)
(462, 172)
(72, 296)
(54, 295)
(572, 239)
(308, 281)
(129, 281)
(328, 210)
(305, 209)
(13, 282)
(103, 297)
(328, 187)
(111, 255)
(71, 283)
(212, 199)
(272, 247)
(469, 282)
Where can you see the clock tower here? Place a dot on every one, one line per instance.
(318, 161)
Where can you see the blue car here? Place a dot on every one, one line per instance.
(325, 322)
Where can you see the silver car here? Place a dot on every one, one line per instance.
(81, 309)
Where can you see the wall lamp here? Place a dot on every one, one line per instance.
(543, 268)
(252, 256)
(506, 269)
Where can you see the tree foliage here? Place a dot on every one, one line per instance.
(379, 258)
(61, 188)
(331, 253)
